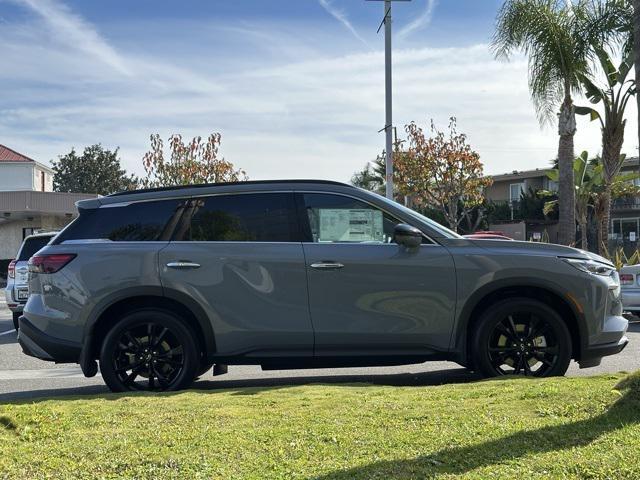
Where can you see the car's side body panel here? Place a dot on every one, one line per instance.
(255, 294)
(386, 299)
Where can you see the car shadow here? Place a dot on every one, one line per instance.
(255, 386)
(460, 460)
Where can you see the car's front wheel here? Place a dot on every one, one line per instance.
(521, 336)
(16, 316)
(151, 350)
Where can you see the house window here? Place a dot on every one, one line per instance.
(42, 180)
(552, 185)
(515, 189)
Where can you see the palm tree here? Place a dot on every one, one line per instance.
(587, 180)
(635, 31)
(614, 98)
(557, 36)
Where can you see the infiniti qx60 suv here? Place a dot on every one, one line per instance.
(159, 285)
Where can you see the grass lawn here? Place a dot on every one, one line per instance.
(564, 427)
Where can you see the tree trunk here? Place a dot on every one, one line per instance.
(636, 51)
(612, 140)
(451, 214)
(566, 190)
(583, 234)
(603, 227)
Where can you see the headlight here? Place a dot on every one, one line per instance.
(590, 266)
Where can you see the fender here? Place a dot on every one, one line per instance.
(87, 356)
(458, 343)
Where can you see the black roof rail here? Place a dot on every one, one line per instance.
(221, 184)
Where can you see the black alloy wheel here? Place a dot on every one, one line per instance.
(149, 351)
(522, 337)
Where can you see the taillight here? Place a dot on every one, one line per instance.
(49, 263)
(12, 269)
(626, 279)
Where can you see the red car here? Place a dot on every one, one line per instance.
(488, 235)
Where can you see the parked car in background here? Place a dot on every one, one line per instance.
(488, 235)
(157, 285)
(630, 286)
(17, 289)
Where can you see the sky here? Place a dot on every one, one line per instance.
(295, 87)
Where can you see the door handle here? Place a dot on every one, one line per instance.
(183, 265)
(327, 265)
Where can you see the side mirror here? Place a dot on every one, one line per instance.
(407, 236)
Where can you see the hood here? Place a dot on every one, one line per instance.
(531, 248)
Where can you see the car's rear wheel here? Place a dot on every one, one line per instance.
(16, 316)
(150, 350)
(521, 336)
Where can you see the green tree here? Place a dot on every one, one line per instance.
(613, 99)
(557, 36)
(97, 170)
(371, 177)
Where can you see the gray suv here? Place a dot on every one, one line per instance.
(159, 285)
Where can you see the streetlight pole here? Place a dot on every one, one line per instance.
(388, 90)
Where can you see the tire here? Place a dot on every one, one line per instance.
(521, 336)
(16, 316)
(152, 350)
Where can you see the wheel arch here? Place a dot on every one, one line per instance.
(549, 294)
(116, 306)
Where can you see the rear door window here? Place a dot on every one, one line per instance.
(136, 222)
(249, 217)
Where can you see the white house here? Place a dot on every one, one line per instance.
(28, 203)
(20, 173)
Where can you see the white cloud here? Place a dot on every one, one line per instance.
(421, 21)
(307, 115)
(339, 15)
(75, 32)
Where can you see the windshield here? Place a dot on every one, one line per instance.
(444, 231)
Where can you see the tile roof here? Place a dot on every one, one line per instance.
(8, 155)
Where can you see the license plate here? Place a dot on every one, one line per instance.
(23, 294)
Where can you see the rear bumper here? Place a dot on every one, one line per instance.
(36, 343)
(631, 300)
(13, 305)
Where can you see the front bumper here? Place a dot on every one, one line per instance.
(592, 356)
(36, 343)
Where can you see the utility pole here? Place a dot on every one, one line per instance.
(388, 89)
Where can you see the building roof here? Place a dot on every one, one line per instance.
(9, 155)
(516, 175)
(542, 172)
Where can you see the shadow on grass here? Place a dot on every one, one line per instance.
(460, 460)
(255, 386)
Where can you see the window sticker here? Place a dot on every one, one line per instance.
(350, 225)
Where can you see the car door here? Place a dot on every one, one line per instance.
(239, 256)
(367, 295)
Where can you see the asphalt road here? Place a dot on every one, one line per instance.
(25, 378)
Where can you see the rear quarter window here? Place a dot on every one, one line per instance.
(136, 222)
(31, 246)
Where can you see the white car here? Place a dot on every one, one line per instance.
(17, 291)
(630, 286)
